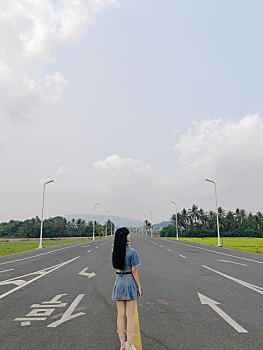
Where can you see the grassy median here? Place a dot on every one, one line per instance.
(7, 248)
(246, 244)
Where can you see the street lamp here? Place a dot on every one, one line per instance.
(94, 221)
(217, 220)
(41, 229)
(107, 212)
(150, 211)
(176, 220)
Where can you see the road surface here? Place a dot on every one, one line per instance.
(195, 297)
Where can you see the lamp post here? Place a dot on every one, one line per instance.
(177, 237)
(150, 211)
(107, 212)
(93, 238)
(217, 219)
(41, 229)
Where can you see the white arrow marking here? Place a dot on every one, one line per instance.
(89, 274)
(213, 304)
(245, 284)
(16, 282)
(51, 269)
(232, 262)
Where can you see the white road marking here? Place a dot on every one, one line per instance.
(213, 304)
(161, 246)
(96, 247)
(39, 305)
(101, 244)
(213, 251)
(16, 282)
(89, 251)
(169, 250)
(155, 243)
(6, 270)
(89, 274)
(182, 256)
(68, 313)
(53, 268)
(232, 262)
(34, 256)
(243, 283)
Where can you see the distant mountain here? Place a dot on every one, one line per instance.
(101, 219)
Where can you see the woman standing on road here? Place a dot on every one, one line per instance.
(127, 288)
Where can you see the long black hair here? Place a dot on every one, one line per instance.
(119, 249)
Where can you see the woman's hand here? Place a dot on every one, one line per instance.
(140, 292)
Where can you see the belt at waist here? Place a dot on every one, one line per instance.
(124, 273)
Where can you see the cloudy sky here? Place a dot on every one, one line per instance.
(131, 103)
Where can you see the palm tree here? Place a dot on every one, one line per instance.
(184, 216)
(194, 213)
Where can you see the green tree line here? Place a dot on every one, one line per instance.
(196, 222)
(52, 227)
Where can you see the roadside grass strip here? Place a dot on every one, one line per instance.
(217, 252)
(245, 244)
(137, 337)
(8, 248)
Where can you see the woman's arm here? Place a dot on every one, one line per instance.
(136, 277)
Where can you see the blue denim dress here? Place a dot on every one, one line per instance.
(125, 286)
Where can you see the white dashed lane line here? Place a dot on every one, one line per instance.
(6, 270)
(232, 262)
(182, 256)
(169, 250)
(89, 251)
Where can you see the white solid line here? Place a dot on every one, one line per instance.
(36, 278)
(232, 262)
(89, 251)
(243, 283)
(228, 319)
(183, 256)
(213, 251)
(6, 270)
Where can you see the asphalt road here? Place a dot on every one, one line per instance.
(60, 297)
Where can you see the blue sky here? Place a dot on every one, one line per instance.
(150, 67)
(146, 87)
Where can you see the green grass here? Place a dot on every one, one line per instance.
(246, 244)
(7, 248)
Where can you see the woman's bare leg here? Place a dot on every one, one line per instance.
(121, 307)
(130, 314)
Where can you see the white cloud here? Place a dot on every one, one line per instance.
(229, 152)
(32, 32)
